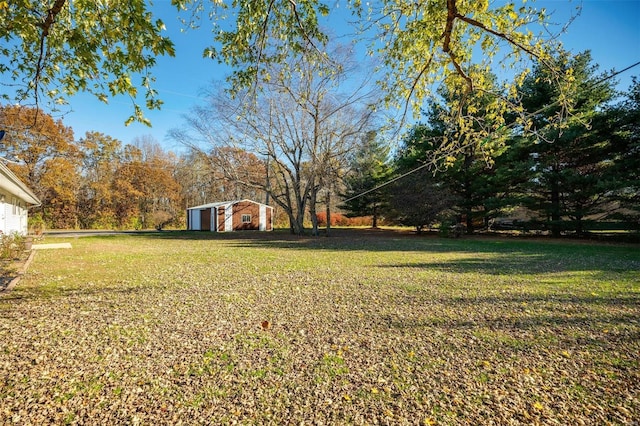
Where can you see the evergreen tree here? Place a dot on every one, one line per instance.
(623, 129)
(369, 168)
(571, 157)
(466, 172)
(419, 200)
(510, 179)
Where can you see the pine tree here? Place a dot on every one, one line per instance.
(571, 157)
(369, 168)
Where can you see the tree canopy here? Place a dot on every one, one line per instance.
(94, 182)
(573, 169)
(51, 50)
(302, 126)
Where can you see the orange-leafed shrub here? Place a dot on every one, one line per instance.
(338, 219)
(361, 221)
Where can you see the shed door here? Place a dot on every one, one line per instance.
(228, 218)
(263, 218)
(205, 220)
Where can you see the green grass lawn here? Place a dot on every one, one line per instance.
(359, 328)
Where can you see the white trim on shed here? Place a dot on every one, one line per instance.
(227, 216)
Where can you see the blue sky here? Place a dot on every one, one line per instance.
(609, 28)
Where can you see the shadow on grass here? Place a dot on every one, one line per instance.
(474, 254)
(537, 262)
(529, 322)
(381, 239)
(375, 239)
(497, 256)
(81, 292)
(585, 320)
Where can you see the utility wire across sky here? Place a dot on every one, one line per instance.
(541, 110)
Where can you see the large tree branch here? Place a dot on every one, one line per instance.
(452, 14)
(498, 34)
(294, 8)
(51, 17)
(46, 25)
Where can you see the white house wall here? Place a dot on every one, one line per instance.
(13, 215)
(15, 196)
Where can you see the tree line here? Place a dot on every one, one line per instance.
(284, 129)
(573, 167)
(564, 157)
(97, 182)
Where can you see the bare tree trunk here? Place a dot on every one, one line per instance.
(328, 207)
(555, 208)
(374, 225)
(313, 198)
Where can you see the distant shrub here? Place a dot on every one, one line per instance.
(160, 219)
(322, 218)
(280, 218)
(361, 221)
(338, 219)
(37, 225)
(105, 220)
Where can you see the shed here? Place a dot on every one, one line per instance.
(15, 197)
(226, 216)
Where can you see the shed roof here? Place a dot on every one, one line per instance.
(223, 203)
(10, 183)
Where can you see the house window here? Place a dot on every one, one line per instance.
(246, 218)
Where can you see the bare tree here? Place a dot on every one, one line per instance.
(302, 125)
